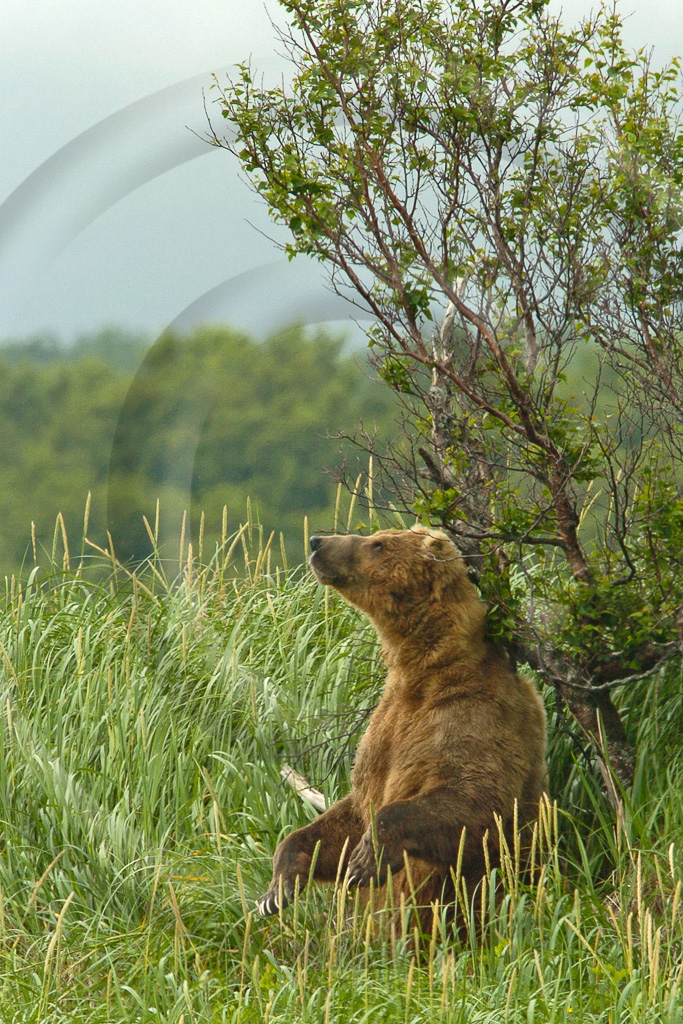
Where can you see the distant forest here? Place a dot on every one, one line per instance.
(216, 415)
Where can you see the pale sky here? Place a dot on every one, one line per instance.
(111, 211)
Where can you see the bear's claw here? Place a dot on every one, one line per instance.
(270, 904)
(267, 905)
(362, 863)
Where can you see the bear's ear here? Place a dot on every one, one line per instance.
(439, 544)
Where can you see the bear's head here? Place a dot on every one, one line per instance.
(402, 579)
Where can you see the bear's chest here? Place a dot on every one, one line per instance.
(374, 758)
(394, 760)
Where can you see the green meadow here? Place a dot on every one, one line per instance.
(144, 722)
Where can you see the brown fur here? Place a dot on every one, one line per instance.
(457, 739)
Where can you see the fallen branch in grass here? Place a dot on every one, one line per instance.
(303, 789)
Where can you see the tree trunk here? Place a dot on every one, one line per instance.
(601, 722)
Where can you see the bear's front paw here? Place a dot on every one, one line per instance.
(363, 863)
(276, 899)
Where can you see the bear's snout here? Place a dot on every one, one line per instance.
(333, 558)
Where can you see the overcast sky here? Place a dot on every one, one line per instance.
(111, 211)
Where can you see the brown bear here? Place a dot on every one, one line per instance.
(457, 739)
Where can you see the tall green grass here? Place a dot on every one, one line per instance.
(143, 727)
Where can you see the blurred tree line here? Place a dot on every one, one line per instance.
(206, 421)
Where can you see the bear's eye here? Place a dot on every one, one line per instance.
(377, 546)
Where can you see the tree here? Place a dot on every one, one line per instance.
(477, 157)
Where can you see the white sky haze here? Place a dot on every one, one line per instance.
(160, 240)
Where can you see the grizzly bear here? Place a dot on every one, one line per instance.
(456, 741)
